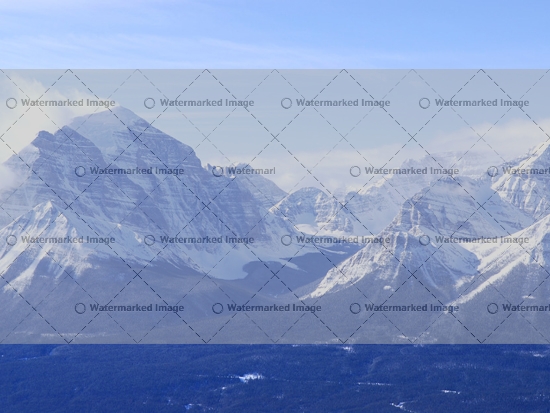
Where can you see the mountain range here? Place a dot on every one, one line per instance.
(109, 210)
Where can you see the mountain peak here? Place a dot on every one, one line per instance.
(538, 157)
(115, 117)
(99, 127)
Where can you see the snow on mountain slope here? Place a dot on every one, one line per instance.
(63, 168)
(314, 212)
(59, 237)
(382, 269)
(527, 191)
(369, 210)
(518, 267)
(265, 191)
(460, 206)
(452, 207)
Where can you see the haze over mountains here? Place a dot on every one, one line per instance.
(205, 240)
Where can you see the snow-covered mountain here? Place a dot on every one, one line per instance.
(450, 207)
(526, 190)
(163, 227)
(265, 191)
(421, 264)
(58, 180)
(369, 210)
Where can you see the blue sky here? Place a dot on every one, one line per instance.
(268, 34)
